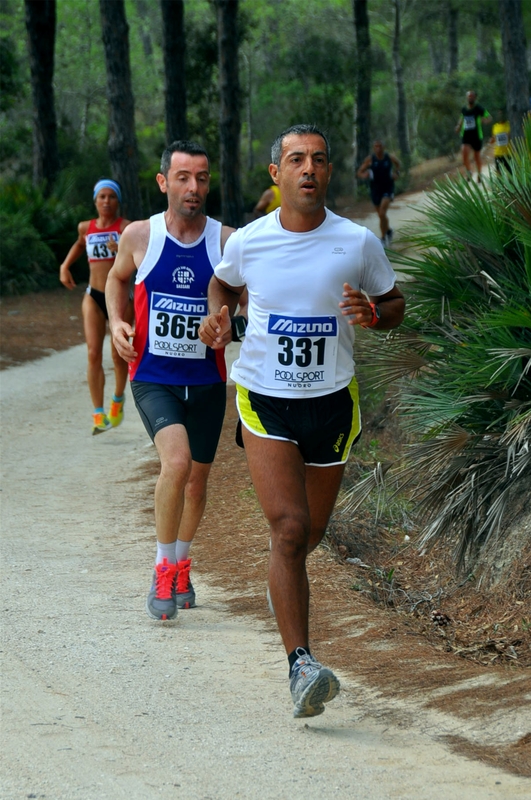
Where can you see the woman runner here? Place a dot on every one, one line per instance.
(99, 238)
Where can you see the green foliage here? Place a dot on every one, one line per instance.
(27, 264)
(437, 101)
(36, 234)
(297, 64)
(10, 79)
(462, 359)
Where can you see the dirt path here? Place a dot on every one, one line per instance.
(101, 702)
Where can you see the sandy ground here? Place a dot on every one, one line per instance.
(99, 701)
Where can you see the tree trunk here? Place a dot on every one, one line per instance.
(144, 13)
(40, 25)
(436, 54)
(250, 131)
(453, 40)
(402, 130)
(173, 45)
(364, 82)
(230, 125)
(515, 63)
(123, 151)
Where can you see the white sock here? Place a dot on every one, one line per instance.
(165, 551)
(181, 550)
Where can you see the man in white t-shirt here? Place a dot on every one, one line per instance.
(311, 277)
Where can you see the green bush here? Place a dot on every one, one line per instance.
(36, 234)
(27, 263)
(461, 361)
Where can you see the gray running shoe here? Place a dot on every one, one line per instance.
(311, 685)
(161, 603)
(389, 236)
(184, 592)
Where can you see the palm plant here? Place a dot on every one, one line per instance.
(460, 365)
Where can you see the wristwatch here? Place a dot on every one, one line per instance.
(238, 325)
(375, 316)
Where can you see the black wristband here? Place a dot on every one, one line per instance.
(238, 325)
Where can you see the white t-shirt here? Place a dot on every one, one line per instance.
(297, 342)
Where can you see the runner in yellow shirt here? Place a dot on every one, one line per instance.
(269, 200)
(501, 135)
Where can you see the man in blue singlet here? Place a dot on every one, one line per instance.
(381, 169)
(178, 383)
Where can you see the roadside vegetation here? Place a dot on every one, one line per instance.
(452, 484)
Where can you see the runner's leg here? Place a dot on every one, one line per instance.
(382, 213)
(279, 478)
(322, 488)
(195, 495)
(465, 149)
(94, 324)
(477, 159)
(175, 469)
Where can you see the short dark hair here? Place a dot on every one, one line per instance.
(181, 146)
(298, 130)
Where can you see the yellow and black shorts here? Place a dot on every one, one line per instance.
(323, 428)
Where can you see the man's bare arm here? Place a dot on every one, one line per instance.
(131, 250)
(364, 166)
(265, 198)
(396, 165)
(391, 306)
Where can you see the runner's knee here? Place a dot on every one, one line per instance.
(95, 355)
(289, 536)
(176, 467)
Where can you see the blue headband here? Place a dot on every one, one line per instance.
(107, 183)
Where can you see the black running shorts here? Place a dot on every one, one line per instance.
(199, 408)
(99, 299)
(471, 138)
(378, 194)
(323, 428)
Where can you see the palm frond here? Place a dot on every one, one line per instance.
(460, 368)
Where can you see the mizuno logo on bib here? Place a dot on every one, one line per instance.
(174, 326)
(301, 352)
(97, 245)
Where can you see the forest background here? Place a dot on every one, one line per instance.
(286, 61)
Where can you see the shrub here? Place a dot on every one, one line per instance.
(462, 360)
(27, 263)
(36, 235)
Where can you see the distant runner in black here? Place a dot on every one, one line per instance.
(381, 169)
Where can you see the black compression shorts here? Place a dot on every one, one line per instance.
(199, 408)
